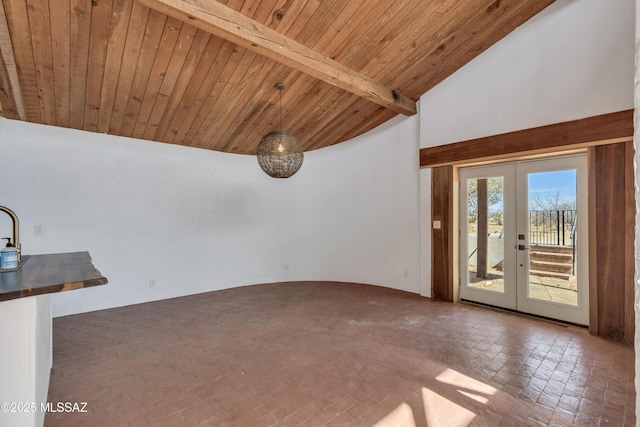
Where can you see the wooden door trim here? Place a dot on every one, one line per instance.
(544, 140)
(578, 136)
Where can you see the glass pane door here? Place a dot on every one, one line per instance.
(552, 226)
(523, 237)
(486, 227)
(552, 276)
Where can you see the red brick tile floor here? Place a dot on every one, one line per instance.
(335, 354)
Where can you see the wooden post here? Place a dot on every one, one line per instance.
(442, 262)
(483, 228)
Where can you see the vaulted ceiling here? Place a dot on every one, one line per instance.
(201, 73)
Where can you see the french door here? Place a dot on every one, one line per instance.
(523, 237)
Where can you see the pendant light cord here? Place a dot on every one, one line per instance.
(280, 110)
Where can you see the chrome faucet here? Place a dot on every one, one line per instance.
(16, 230)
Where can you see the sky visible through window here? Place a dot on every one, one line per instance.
(552, 190)
(557, 186)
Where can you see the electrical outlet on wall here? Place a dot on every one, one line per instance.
(38, 230)
(152, 283)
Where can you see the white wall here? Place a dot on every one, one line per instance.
(354, 211)
(195, 220)
(571, 61)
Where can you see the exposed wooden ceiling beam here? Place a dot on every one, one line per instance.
(231, 25)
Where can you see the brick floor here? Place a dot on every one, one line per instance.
(320, 353)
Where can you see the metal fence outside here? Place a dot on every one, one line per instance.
(552, 227)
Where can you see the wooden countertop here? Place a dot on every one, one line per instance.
(50, 273)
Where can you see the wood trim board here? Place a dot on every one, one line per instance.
(576, 134)
(442, 238)
(593, 244)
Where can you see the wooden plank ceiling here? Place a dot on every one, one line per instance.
(143, 69)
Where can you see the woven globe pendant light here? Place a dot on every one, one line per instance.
(280, 153)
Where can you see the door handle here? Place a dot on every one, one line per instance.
(522, 248)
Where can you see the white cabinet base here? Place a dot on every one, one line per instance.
(25, 360)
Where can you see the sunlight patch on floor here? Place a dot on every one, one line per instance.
(471, 386)
(402, 416)
(442, 412)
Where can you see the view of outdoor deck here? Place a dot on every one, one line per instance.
(551, 242)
